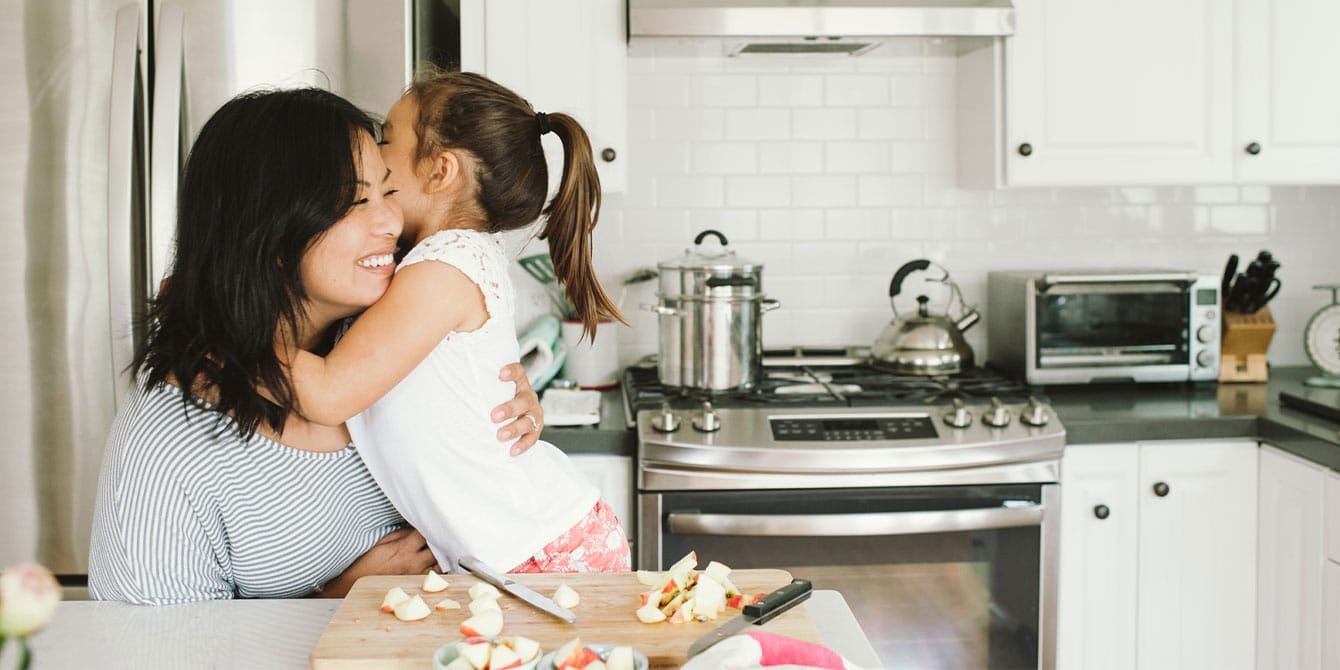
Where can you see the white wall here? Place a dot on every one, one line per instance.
(834, 172)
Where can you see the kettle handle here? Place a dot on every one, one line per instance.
(896, 286)
(703, 235)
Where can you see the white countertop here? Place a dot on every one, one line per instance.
(268, 634)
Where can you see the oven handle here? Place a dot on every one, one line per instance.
(883, 523)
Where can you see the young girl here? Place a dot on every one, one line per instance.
(466, 157)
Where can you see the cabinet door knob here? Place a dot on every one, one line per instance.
(1253, 148)
(607, 154)
(1102, 512)
(1161, 489)
(1025, 149)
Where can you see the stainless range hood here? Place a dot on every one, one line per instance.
(819, 18)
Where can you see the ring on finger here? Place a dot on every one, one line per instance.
(535, 425)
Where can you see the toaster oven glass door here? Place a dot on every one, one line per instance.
(1106, 326)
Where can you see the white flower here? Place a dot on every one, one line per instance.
(28, 598)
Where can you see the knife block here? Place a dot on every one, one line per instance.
(1242, 356)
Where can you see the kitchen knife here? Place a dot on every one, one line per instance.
(477, 568)
(757, 614)
(1229, 270)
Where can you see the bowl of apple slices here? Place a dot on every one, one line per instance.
(512, 652)
(574, 655)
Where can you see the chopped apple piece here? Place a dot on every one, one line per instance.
(597, 664)
(585, 658)
(526, 648)
(481, 589)
(569, 652)
(484, 604)
(739, 600)
(412, 609)
(650, 614)
(709, 598)
(447, 604)
(620, 658)
(394, 597)
(459, 663)
(485, 624)
(717, 571)
(649, 578)
(477, 651)
(653, 597)
(684, 613)
(689, 562)
(504, 657)
(434, 583)
(566, 597)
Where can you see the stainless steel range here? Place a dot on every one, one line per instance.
(932, 504)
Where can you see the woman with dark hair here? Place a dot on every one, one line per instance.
(214, 485)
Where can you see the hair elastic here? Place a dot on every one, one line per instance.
(543, 119)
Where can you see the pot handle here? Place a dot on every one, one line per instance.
(716, 282)
(896, 286)
(768, 304)
(703, 235)
(662, 310)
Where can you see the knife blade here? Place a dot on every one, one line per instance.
(481, 570)
(757, 614)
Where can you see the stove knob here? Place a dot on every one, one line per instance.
(959, 416)
(997, 416)
(666, 421)
(707, 422)
(1035, 414)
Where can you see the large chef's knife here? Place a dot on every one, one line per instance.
(757, 614)
(479, 569)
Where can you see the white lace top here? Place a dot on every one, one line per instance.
(431, 446)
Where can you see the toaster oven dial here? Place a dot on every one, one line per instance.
(1204, 334)
(997, 416)
(1205, 358)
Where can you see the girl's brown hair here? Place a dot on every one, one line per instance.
(464, 111)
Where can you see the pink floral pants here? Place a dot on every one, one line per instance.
(596, 544)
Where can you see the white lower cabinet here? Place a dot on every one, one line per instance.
(613, 475)
(1292, 561)
(1158, 555)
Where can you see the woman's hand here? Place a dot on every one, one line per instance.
(522, 414)
(400, 552)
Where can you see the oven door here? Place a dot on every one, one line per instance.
(946, 577)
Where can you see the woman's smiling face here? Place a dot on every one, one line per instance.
(350, 266)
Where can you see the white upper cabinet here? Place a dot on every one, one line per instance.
(563, 56)
(1148, 92)
(1131, 92)
(1288, 91)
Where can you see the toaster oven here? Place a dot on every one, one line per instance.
(1095, 326)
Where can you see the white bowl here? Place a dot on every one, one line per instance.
(640, 661)
(449, 651)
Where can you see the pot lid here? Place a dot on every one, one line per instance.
(710, 257)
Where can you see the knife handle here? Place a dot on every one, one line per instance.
(779, 601)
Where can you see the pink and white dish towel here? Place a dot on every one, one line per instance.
(765, 650)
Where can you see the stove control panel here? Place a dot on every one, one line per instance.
(852, 429)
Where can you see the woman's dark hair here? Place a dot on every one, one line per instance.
(501, 132)
(270, 173)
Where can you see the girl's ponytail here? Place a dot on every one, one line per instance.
(572, 216)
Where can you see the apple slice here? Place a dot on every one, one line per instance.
(570, 651)
(684, 613)
(412, 609)
(526, 648)
(485, 624)
(620, 658)
(504, 657)
(483, 605)
(566, 597)
(477, 651)
(650, 578)
(650, 613)
(483, 589)
(434, 583)
(393, 597)
(447, 604)
(717, 571)
(459, 663)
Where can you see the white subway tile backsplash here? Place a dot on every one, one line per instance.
(832, 173)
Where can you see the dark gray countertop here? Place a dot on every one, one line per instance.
(1100, 414)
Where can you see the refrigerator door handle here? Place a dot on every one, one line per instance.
(166, 141)
(124, 205)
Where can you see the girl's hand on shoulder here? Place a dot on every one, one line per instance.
(400, 552)
(522, 416)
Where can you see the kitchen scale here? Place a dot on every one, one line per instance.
(1321, 339)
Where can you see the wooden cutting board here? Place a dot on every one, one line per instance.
(360, 635)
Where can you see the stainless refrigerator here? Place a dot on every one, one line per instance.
(101, 99)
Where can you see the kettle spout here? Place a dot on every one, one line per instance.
(967, 320)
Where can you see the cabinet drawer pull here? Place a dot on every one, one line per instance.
(1161, 489)
(1025, 149)
(1102, 511)
(1254, 148)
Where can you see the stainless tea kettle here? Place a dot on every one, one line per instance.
(924, 343)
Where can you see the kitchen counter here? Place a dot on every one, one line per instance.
(1101, 414)
(270, 634)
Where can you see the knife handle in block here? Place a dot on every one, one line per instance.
(779, 601)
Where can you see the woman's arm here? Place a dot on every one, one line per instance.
(426, 302)
(401, 552)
